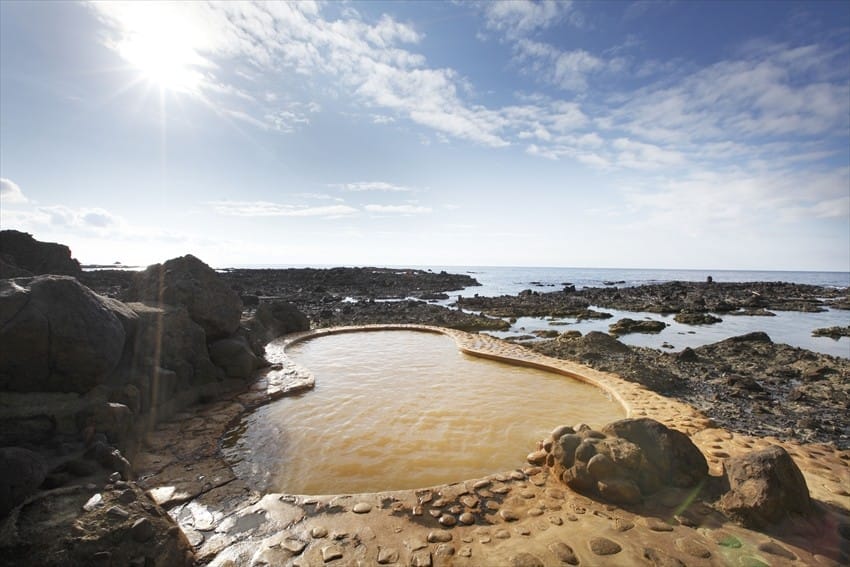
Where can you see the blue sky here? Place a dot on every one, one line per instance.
(593, 134)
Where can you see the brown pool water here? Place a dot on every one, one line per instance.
(394, 410)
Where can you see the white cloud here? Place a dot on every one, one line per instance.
(567, 69)
(518, 18)
(397, 209)
(373, 186)
(269, 209)
(10, 192)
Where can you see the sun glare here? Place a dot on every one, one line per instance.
(164, 60)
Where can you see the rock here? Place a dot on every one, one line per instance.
(832, 332)
(188, 282)
(525, 560)
(142, 530)
(169, 356)
(235, 357)
(278, 318)
(670, 457)
(627, 461)
(23, 253)
(564, 553)
(604, 546)
(688, 318)
(687, 355)
(57, 336)
(625, 326)
(21, 472)
(765, 487)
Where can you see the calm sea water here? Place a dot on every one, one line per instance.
(787, 327)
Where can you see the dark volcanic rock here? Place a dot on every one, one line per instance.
(765, 487)
(278, 318)
(625, 326)
(235, 357)
(57, 335)
(22, 253)
(832, 332)
(696, 318)
(188, 282)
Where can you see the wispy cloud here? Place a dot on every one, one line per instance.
(10, 192)
(398, 209)
(269, 209)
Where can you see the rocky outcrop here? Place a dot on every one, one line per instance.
(57, 335)
(765, 487)
(21, 253)
(625, 462)
(832, 332)
(188, 282)
(235, 357)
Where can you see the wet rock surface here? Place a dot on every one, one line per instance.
(747, 384)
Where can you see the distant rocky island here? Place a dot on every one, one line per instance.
(93, 361)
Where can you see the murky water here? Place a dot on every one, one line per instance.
(404, 409)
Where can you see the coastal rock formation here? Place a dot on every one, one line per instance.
(765, 487)
(57, 335)
(832, 332)
(235, 357)
(626, 461)
(23, 255)
(188, 282)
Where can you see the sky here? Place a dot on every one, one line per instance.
(668, 134)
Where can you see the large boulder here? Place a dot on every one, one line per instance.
(235, 357)
(169, 355)
(188, 282)
(21, 251)
(21, 472)
(625, 462)
(765, 487)
(57, 335)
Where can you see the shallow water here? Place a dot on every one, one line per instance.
(402, 409)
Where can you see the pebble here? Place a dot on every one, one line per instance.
(387, 555)
(492, 505)
(623, 525)
(481, 484)
(127, 496)
(142, 530)
(362, 508)
(502, 534)
(527, 494)
(447, 520)
(420, 559)
(523, 531)
(465, 551)
(293, 545)
(564, 553)
(556, 520)
(331, 552)
(535, 512)
(435, 513)
(319, 532)
(660, 559)
(441, 536)
(444, 550)
(118, 512)
(603, 546)
(466, 519)
(96, 501)
(508, 515)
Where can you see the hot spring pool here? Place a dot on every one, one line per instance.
(395, 410)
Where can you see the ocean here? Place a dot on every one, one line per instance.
(788, 327)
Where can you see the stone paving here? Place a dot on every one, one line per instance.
(523, 517)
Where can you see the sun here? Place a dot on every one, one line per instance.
(165, 56)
